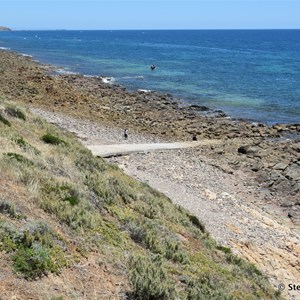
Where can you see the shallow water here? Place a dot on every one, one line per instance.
(252, 74)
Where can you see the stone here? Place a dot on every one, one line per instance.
(248, 149)
(293, 172)
(256, 166)
(280, 166)
(210, 195)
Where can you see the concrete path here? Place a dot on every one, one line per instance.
(124, 149)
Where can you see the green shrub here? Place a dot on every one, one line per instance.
(15, 112)
(33, 262)
(122, 189)
(8, 236)
(157, 239)
(36, 249)
(26, 146)
(62, 192)
(100, 186)
(37, 232)
(196, 222)
(4, 121)
(20, 141)
(85, 161)
(149, 280)
(19, 158)
(206, 289)
(65, 203)
(136, 231)
(52, 139)
(8, 208)
(73, 200)
(174, 251)
(224, 249)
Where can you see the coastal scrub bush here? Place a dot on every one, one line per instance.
(149, 279)
(122, 189)
(37, 232)
(196, 222)
(19, 158)
(136, 231)
(62, 192)
(15, 112)
(65, 202)
(8, 235)
(174, 251)
(157, 239)
(85, 161)
(33, 262)
(206, 289)
(100, 186)
(52, 139)
(226, 250)
(8, 208)
(36, 249)
(4, 121)
(26, 146)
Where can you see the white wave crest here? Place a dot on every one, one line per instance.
(108, 79)
(26, 55)
(144, 91)
(130, 77)
(64, 72)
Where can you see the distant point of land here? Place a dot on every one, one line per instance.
(3, 28)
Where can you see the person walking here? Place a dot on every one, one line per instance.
(125, 134)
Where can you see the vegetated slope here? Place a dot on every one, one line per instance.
(74, 227)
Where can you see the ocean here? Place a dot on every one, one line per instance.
(249, 74)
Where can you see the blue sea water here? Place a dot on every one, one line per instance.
(251, 74)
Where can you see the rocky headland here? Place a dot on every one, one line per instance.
(3, 28)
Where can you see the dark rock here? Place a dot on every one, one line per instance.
(198, 108)
(248, 149)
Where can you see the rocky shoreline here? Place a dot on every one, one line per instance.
(246, 188)
(263, 152)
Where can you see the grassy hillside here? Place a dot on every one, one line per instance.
(74, 227)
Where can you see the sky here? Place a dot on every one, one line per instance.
(150, 14)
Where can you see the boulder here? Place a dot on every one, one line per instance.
(248, 149)
(293, 172)
(280, 166)
(256, 166)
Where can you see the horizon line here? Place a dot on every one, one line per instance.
(148, 29)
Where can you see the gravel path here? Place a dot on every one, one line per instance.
(224, 202)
